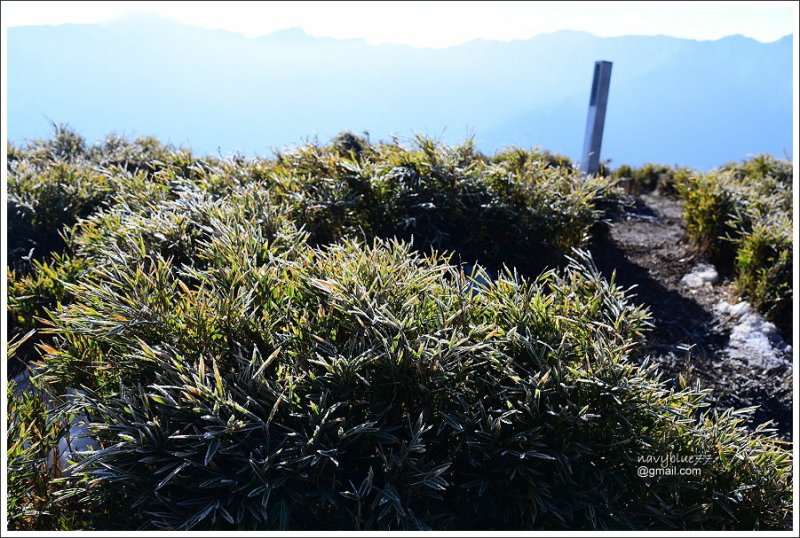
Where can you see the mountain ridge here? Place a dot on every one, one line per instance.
(699, 103)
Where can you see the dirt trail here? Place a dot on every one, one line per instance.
(647, 248)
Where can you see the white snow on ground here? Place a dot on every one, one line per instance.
(22, 381)
(701, 275)
(752, 337)
(76, 440)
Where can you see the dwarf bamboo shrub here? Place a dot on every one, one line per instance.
(257, 344)
(450, 198)
(32, 295)
(32, 469)
(761, 167)
(741, 216)
(651, 177)
(525, 209)
(709, 208)
(671, 183)
(31, 438)
(764, 268)
(516, 159)
(43, 201)
(52, 184)
(140, 154)
(369, 387)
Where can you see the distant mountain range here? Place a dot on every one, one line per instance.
(675, 101)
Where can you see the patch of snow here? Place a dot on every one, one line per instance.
(733, 310)
(78, 439)
(701, 275)
(641, 216)
(22, 381)
(753, 338)
(75, 441)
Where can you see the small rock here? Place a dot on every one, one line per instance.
(701, 275)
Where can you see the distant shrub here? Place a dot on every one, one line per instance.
(709, 208)
(646, 178)
(761, 167)
(348, 144)
(671, 183)
(66, 145)
(736, 216)
(623, 171)
(520, 209)
(516, 159)
(764, 269)
(741, 217)
(141, 154)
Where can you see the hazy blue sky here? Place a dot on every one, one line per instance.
(440, 24)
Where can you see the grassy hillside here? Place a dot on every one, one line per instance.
(348, 336)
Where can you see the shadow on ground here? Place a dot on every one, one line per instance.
(678, 321)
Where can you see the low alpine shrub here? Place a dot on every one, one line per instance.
(371, 387)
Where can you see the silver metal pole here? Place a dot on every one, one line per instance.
(590, 162)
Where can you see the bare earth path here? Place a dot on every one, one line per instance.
(647, 248)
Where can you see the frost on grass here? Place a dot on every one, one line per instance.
(752, 337)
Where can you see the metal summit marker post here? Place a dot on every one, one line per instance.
(590, 161)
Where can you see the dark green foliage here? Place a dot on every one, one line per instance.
(370, 388)
(32, 437)
(521, 210)
(647, 178)
(249, 353)
(709, 207)
(741, 217)
(764, 269)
